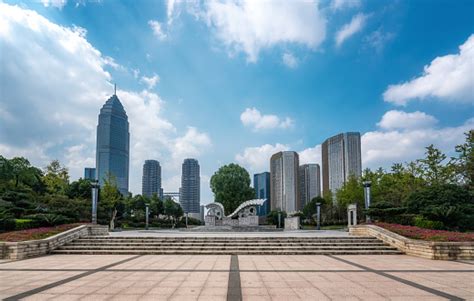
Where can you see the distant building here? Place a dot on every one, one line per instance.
(113, 144)
(341, 158)
(89, 173)
(151, 179)
(284, 181)
(261, 184)
(310, 183)
(190, 186)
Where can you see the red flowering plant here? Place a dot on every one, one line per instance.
(35, 233)
(427, 234)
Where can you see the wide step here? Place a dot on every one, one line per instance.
(227, 245)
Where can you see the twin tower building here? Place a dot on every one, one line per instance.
(289, 186)
(113, 157)
(292, 185)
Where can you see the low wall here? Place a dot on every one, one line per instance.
(420, 248)
(32, 248)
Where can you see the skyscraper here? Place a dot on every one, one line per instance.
(113, 144)
(89, 173)
(151, 179)
(261, 184)
(341, 158)
(310, 183)
(284, 181)
(190, 186)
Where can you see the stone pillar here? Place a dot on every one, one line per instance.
(352, 215)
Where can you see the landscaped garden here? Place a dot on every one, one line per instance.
(35, 233)
(427, 234)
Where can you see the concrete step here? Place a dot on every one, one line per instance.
(228, 252)
(69, 247)
(126, 243)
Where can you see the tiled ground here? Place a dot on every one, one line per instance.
(193, 277)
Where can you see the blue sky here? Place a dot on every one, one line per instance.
(230, 81)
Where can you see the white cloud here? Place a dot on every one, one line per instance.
(343, 4)
(311, 155)
(250, 26)
(257, 159)
(54, 3)
(448, 78)
(383, 148)
(378, 39)
(53, 84)
(157, 29)
(151, 81)
(351, 28)
(252, 117)
(290, 60)
(401, 120)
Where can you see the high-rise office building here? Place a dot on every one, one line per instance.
(113, 144)
(341, 158)
(89, 173)
(151, 179)
(284, 181)
(310, 183)
(261, 184)
(190, 186)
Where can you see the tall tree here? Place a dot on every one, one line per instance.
(465, 161)
(56, 177)
(231, 186)
(434, 169)
(110, 198)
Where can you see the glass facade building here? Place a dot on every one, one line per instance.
(151, 179)
(261, 184)
(341, 158)
(284, 181)
(113, 144)
(89, 173)
(310, 183)
(190, 191)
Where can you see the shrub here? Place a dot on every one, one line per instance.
(422, 222)
(46, 219)
(427, 234)
(272, 217)
(23, 224)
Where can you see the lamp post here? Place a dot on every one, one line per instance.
(279, 219)
(95, 195)
(367, 185)
(186, 219)
(147, 213)
(318, 216)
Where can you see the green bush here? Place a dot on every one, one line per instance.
(48, 219)
(272, 218)
(23, 224)
(422, 222)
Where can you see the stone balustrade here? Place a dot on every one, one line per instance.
(32, 248)
(419, 248)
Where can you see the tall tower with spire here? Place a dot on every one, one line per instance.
(113, 144)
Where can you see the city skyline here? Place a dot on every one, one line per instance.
(193, 89)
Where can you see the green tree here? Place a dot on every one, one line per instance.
(156, 205)
(433, 169)
(231, 186)
(110, 198)
(465, 161)
(56, 178)
(81, 188)
(172, 210)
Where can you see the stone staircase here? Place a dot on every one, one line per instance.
(227, 245)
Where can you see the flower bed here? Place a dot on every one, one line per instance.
(427, 234)
(35, 233)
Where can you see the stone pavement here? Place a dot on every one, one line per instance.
(231, 277)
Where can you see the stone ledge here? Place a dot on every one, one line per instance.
(32, 248)
(419, 248)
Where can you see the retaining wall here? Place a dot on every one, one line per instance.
(420, 248)
(32, 248)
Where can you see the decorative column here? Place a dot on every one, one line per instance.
(95, 196)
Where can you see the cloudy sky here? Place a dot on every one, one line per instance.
(234, 81)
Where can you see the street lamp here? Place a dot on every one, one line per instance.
(147, 212)
(367, 185)
(318, 216)
(279, 219)
(95, 195)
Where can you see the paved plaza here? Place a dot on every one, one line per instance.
(231, 277)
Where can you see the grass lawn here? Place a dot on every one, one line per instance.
(35, 233)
